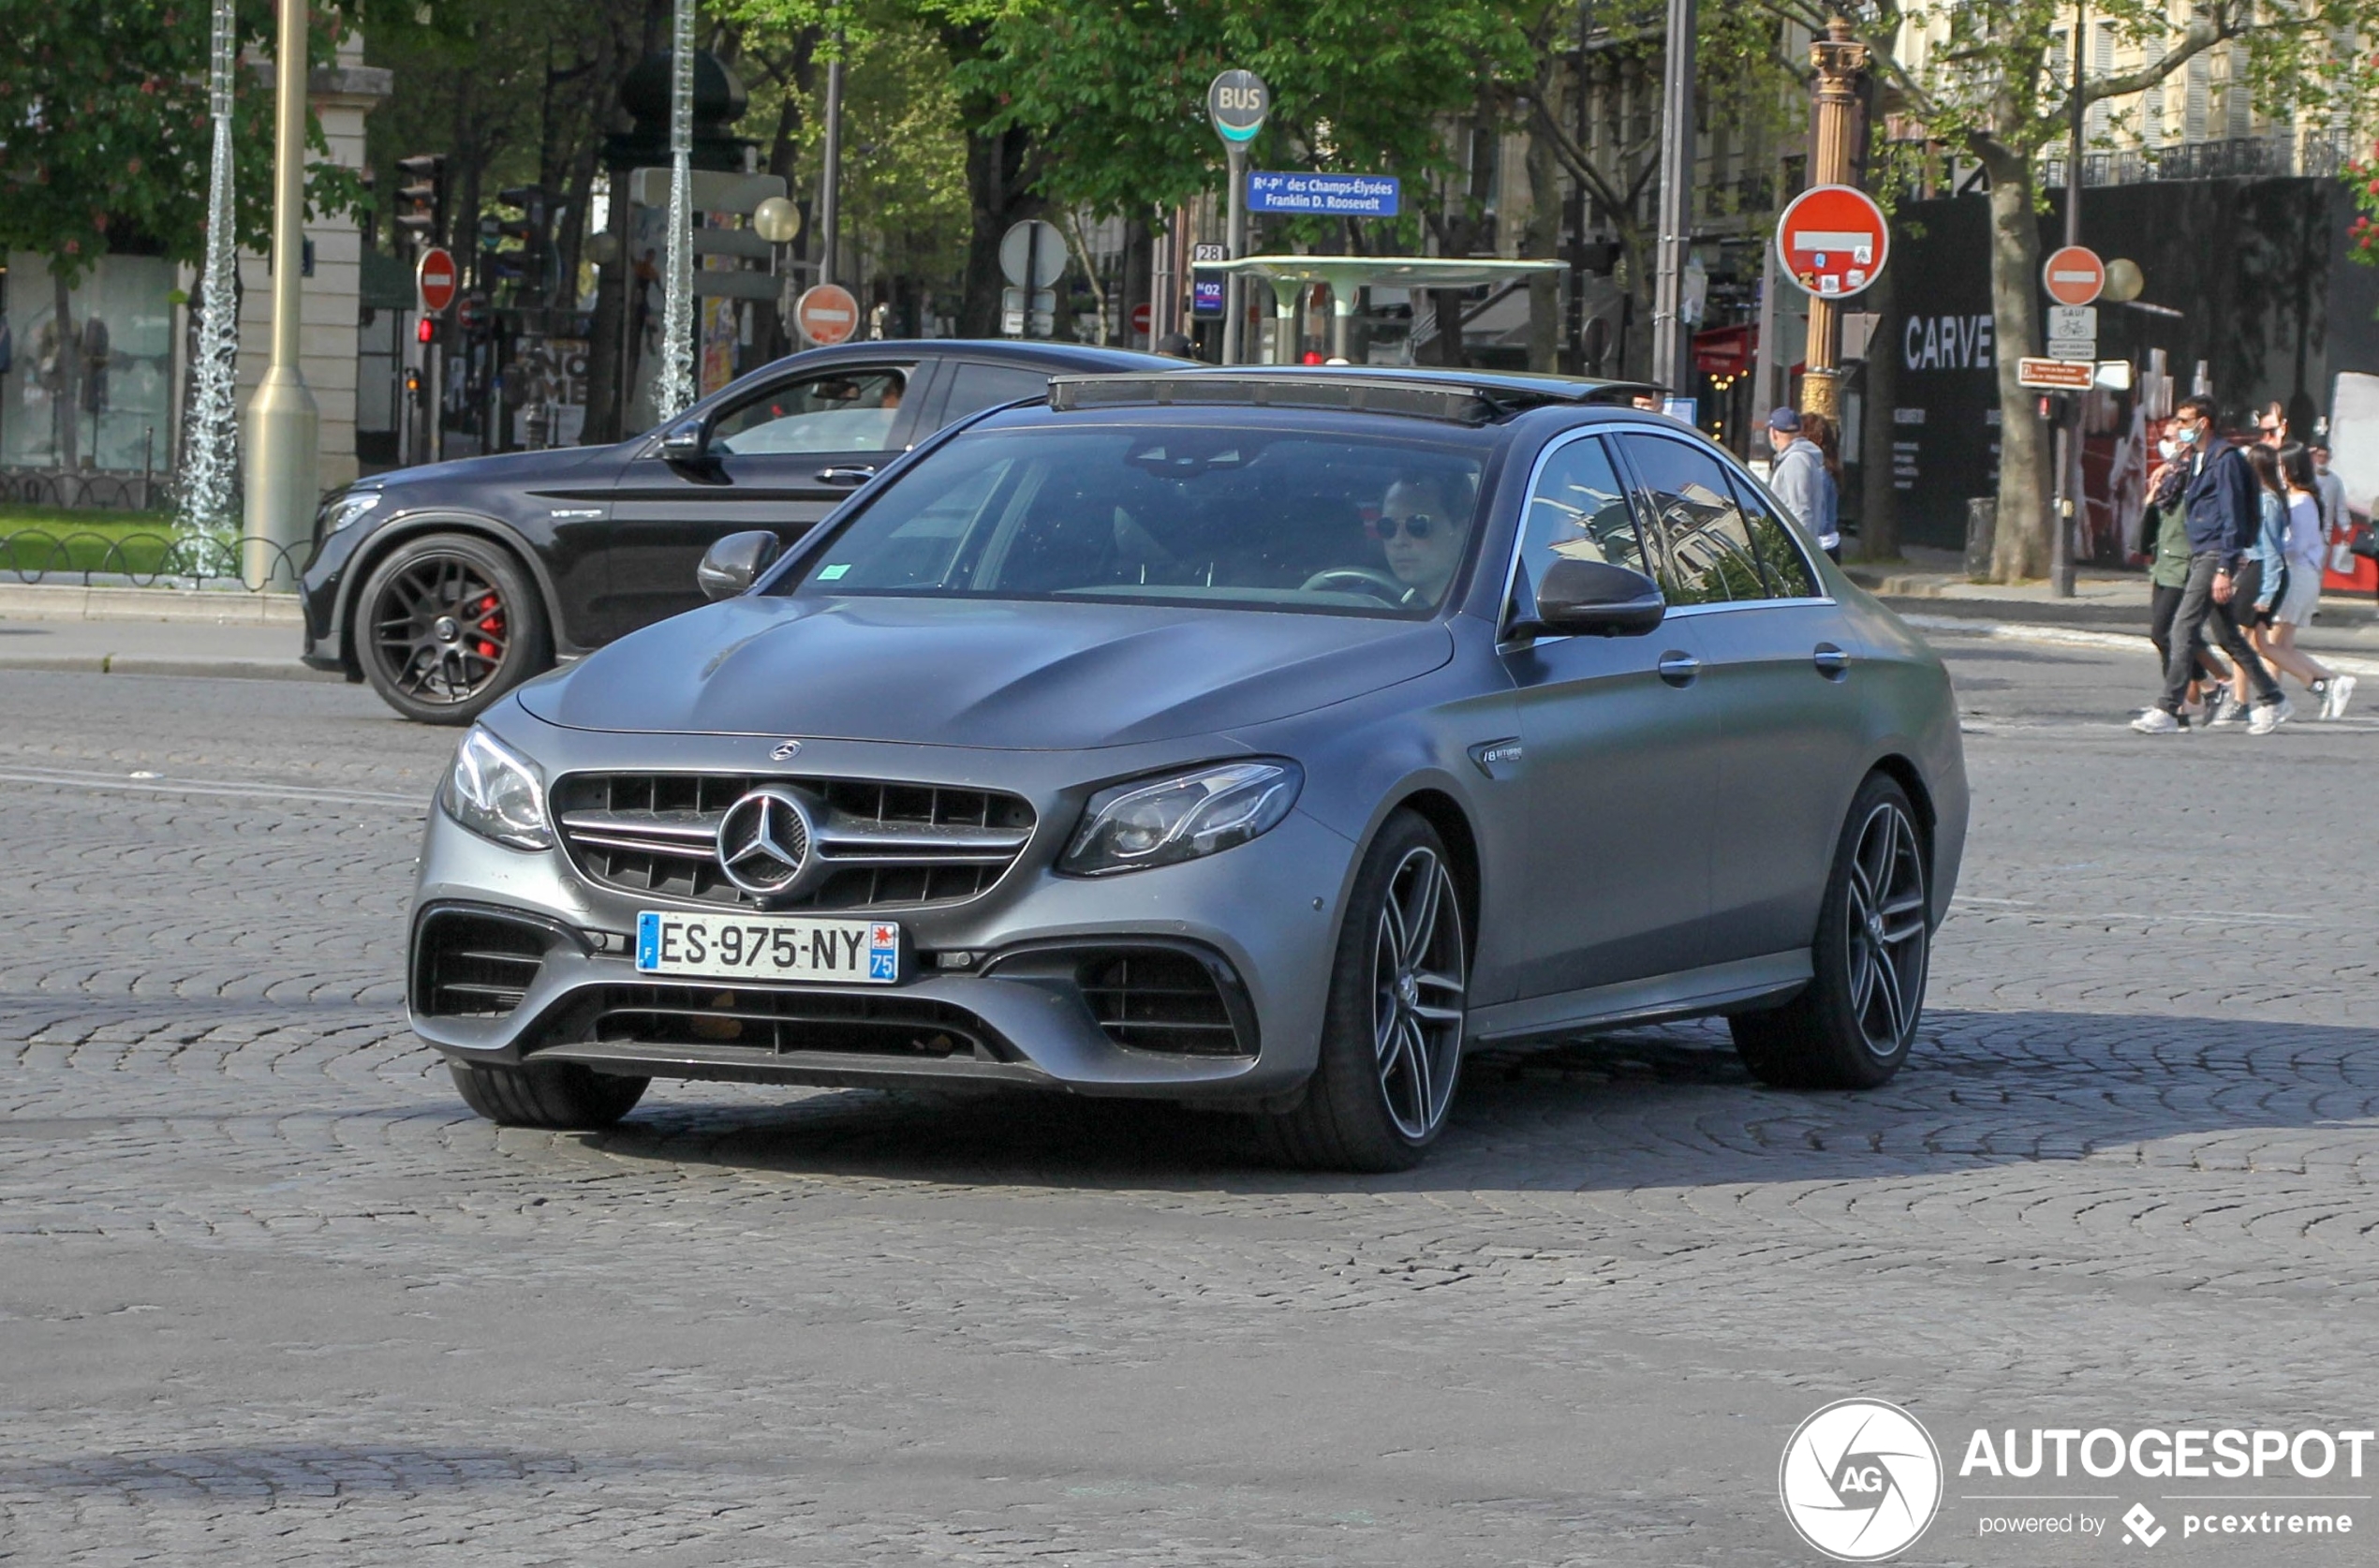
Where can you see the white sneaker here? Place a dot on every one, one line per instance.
(2334, 699)
(2228, 709)
(2264, 720)
(2287, 708)
(2156, 721)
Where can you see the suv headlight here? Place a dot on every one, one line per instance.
(497, 793)
(1160, 822)
(346, 509)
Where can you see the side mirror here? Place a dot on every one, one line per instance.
(686, 443)
(735, 563)
(1593, 598)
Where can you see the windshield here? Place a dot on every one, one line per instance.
(1265, 519)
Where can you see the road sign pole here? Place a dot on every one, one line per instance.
(1839, 60)
(1670, 360)
(2069, 432)
(830, 185)
(1234, 298)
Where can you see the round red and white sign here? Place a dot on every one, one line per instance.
(435, 280)
(1832, 240)
(2073, 276)
(826, 315)
(1140, 317)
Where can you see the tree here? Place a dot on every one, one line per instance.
(1991, 78)
(105, 139)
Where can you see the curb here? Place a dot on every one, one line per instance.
(74, 601)
(2073, 636)
(143, 665)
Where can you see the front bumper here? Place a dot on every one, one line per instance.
(994, 988)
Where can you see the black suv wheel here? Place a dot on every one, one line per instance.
(445, 623)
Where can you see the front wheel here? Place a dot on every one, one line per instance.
(1852, 1026)
(562, 1095)
(446, 625)
(1392, 1034)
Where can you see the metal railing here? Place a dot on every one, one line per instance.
(78, 489)
(2318, 153)
(146, 558)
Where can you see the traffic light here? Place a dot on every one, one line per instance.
(525, 265)
(420, 200)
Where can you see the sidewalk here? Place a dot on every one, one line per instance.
(1933, 583)
(151, 631)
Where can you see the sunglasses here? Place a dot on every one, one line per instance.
(1416, 526)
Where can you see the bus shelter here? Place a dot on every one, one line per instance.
(1291, 275)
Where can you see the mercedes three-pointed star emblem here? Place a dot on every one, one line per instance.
(763, 841)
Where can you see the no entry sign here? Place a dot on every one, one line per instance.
(1832, 240)
(827, 315)
(2074, 276)
(434, 280)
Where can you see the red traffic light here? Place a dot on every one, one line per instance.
(425, 331)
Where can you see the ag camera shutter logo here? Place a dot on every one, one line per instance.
(1861, 1480)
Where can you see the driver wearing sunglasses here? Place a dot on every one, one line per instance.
(1417, 532)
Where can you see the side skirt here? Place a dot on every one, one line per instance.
(1729, 988)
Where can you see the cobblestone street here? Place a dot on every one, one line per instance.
(270, 1293)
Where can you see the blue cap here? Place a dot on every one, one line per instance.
(1784, 419)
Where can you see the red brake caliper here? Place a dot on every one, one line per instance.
(488, 618)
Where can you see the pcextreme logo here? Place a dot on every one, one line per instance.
(1861, 1480)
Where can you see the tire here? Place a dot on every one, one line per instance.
(1854, 1025)
(560, 1095)
(1392, 1032)
(445, 623)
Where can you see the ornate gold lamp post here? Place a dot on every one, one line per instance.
(1834, 130)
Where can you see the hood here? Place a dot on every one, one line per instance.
(503, 469)
(1037, 676)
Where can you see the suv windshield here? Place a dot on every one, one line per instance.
(1192, 512)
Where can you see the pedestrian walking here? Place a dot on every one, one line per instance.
(2262, 577)
(1797, 476)
(2223, 520)
(2302, 594)
(2169, 574)
(1821, 433)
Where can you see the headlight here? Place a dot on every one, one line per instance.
(497, 793)
(348, 507)
(1133, 826)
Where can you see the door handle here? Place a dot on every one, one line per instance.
(854, 475)
(1831, 661)
(1678, 669)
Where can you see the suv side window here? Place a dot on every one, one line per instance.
(1780, 557)
(975, 386)
(1578, 510)
(841, 410)
(1703, 543)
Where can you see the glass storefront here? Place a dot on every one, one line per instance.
(119, 330)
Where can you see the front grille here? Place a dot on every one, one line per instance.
(1159, 1000)
(782, 1022)
(883, 845)
(468, 964)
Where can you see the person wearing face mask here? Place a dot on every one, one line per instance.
(2169, 574)
(2223, 521)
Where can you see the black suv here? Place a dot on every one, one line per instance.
(447, 585)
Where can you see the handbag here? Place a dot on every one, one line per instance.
(2364, 541)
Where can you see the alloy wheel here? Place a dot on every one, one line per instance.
(441, 628)
(1890, 940)
(1419, 975)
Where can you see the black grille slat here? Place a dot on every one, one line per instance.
(1159, 1001)
(475, 965)
(636, 833)
(783, 1022)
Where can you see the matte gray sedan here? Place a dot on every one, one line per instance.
(1260, 739)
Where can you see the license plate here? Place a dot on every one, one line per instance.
(767, 947)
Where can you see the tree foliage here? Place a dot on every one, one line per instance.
(105, 134)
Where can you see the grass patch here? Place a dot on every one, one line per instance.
(46, 541)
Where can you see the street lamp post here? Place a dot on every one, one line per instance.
(1833, 144)
(283, 424)
(1669, 358)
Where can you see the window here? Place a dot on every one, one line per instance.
(974, 387)
(1578, 512)
(1701, 545)
(849, 410)
(1780, 559)
(1170, 508)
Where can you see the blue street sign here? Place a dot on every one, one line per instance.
(1205, 295)
(1324, 195)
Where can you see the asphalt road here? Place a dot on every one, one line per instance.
(268, 1294)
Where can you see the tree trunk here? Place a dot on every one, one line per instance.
(2020, 548)
(1879, 494)
(999, 191)
(1542, 238)
(68, 399)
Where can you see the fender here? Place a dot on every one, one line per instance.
(396, 530)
